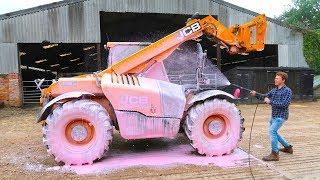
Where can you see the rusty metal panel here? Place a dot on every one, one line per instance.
(8, 58)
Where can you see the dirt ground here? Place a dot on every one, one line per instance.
(23, 156)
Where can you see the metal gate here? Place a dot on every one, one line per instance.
(31, 94)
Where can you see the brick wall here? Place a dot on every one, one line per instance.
(10, 90)
(4, 87)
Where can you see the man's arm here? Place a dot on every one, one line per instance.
(261, 97)
(283, 102)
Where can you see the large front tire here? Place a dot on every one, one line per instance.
(214, 127)
(78, 132)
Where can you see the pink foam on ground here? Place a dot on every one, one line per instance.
(181, 154)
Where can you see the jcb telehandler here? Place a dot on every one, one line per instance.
(135, 96)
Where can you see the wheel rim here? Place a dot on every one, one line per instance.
(79, 132)
(214, 126)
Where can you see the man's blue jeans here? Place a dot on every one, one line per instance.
(275, 124)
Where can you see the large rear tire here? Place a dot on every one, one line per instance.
(78, 132)
(214, 127)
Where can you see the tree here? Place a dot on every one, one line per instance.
(305, 14)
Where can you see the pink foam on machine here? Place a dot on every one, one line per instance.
(175, 156)
(237, 93)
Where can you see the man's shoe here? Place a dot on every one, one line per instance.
(272, 157)
(287, 149)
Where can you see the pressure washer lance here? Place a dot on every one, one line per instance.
(237, 94)
(237, 91)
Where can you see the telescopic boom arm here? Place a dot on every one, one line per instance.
(237, 39)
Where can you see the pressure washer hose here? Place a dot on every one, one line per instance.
(249, 150)
(250, 135)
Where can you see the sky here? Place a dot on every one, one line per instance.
(272, 8)
(7, 6)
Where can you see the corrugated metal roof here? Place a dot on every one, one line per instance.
(39, 8)
(70, 23)
(247, 11)
(139, 5)
(78, 21)
(8, 58)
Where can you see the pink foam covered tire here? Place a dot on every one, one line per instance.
(214, 127)
(78, 132)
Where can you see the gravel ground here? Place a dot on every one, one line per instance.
(23, 156)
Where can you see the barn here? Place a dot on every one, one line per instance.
(67, 38)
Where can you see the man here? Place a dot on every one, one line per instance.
(279, 98)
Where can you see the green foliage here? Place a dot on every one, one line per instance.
(311, 49)
(305, 14)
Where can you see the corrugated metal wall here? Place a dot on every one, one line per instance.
(8, 58)
(290, 42)
(69, 24)
(291, 56)
(78, 22)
